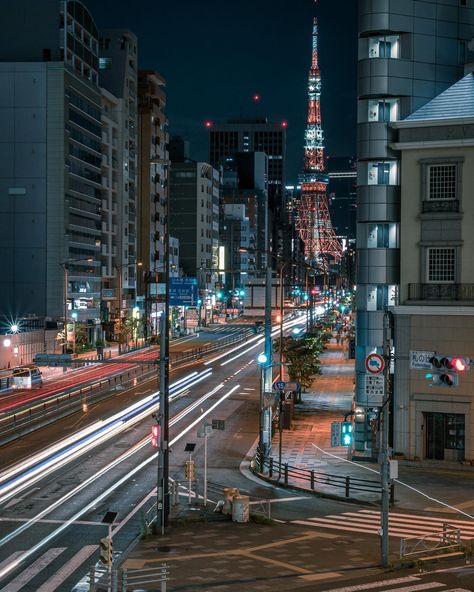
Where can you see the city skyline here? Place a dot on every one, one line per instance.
(214, 82)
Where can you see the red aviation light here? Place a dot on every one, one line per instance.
(284, 124)
(256, 98)
(208, 124)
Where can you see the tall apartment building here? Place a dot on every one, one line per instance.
(258, 135)
(118, 76)
(153, 182)
(50, 172)
(194, 219)
(409, 52)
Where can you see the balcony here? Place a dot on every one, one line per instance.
(441, 292)
(440, 205)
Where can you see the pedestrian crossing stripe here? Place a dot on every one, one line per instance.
(400, 525)
(408, 580)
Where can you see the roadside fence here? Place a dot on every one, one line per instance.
(317, 481)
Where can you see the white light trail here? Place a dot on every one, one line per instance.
(25, 555)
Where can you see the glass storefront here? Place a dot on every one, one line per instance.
(445, 436)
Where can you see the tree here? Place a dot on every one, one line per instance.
(302, 357)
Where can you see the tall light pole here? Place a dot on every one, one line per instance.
(162, 498)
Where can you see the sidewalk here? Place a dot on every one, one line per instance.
(204, 553)
(307, 446)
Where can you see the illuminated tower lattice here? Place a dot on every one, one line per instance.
(314, 221)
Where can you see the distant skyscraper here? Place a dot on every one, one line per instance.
(258, 135)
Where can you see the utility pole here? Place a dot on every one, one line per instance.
(385, 452)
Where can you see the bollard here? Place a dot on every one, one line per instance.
(348, 485)
(286, 474)
(270, 468)
(392, 494)
(312, 479)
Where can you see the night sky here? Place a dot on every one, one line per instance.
(216, 55)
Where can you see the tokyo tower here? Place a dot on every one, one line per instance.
(313, 220)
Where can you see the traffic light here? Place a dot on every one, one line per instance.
(105, 551)
(155, 435)
(347, 437)
(446, 370)
(189, 469)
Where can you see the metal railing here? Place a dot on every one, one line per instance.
(32, 416)
(440, 291)
(310, 479)
(123, 580)
(448, 538)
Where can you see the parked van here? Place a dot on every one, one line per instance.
(26, 377)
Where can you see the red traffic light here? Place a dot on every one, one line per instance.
(155, 435)
(459, 364)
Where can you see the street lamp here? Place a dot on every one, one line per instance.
(262, 361)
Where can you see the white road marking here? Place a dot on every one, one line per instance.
(12, 557)
(26, 576)
(68, 569)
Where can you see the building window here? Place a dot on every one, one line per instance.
(387, 46)
(382, 173)
(442, 181)
(383, 110)
(105, 63)
(381, 296)
(441, 265)
(382, 236)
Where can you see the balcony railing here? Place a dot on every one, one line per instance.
(440, 205)
(441, 292)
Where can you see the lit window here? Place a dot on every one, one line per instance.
(381, 296)
(383, 110)
(105, 63)
(441, 262)
(382, 173)
(384, 46)
(382, 236)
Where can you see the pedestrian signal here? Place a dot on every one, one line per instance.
(347, 436)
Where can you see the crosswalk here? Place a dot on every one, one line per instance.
(42, 565)
(400, 525)
(404, 584)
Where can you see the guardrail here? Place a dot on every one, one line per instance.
(310, 479)
(122, 580)
(35, 415)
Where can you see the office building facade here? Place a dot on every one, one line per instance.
(51, 159)
(409, 52)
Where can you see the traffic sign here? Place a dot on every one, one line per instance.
(279, 385)
(374, 388)
(420, 360)
(183, 291)
(375, 363)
